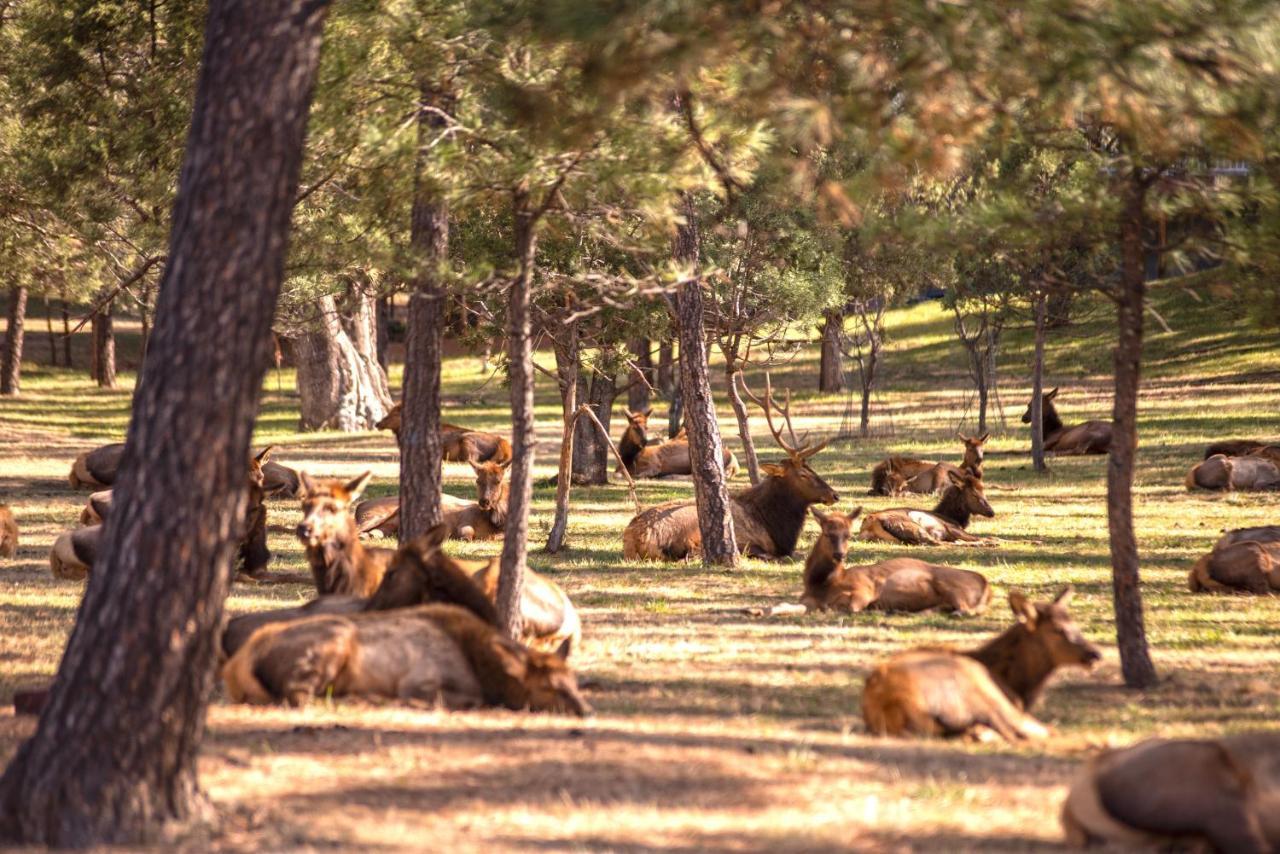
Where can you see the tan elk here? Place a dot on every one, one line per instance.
(460, 444)
(1245, 560)
(8, 532)
(1091, 437)
(945, 523)
(898, 584)
(767, 517)
(485, 518)
(97, 469)
(1238, 448)
(1218, 793)
(445, 655)
(991, 689)
(896, 475)
(339, 562)
(1255, 472)
(96, 508)
(669, 457)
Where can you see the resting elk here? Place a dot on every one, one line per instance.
(1219, 793)
(896, 475)
(642, 459)
(460, 444)
(946, 523)
(1091, 437)
(898, 584)
(445, 655)
(767, 517)
(1255, 472)
(940, 692)
(97, 469)
(482, 519)
(1238, 448)
(8, 532)
(339, 562)
(1245, 560)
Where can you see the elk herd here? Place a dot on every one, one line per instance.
(416, 625)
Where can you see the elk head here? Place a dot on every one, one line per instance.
(1046, 401)
(1050, 627)
(973, 454)
(326, 508)
(972, 496)
(547, 682)
(639, 423)
(801, 479)
(391, 421)
(490, 479)
(256, 478)
(837, 530)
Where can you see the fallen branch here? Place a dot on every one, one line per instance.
(631, 483)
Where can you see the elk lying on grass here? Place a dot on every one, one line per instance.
(339, 562)
(445, 655)
(938, 692)
(482, 519)
(280, 481)
(897, 475)
(1239, 448)
(1253, 473)
(1217, 793)
(643, 459)
(767, 517)
(460, 444)
(898, 584)
(946, 523)
(1091, 437)
(1245, 560)
(8, 532)
(73, 553)
(96, 508)
(97, 469)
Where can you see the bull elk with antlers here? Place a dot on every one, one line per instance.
(767, 517)
(642, 459)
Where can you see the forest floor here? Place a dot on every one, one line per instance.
(716, 731)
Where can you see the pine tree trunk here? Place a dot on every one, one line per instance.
(666, 372)
(675, 414)
(420, 442)
(339, 387)
(1037, 386)
(1131, 636)
(48, 327)
(113, 758)
(705, 450)
(515, 543)
(66, 334)
(384, 332)
(11, 363)
(590, 453)
(831, 366)
(104, 348)
(744, 426)
(567, 368)
(639, 395)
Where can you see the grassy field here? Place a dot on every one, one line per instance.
(716, 731)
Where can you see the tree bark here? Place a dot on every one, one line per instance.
(705, 451)
(830, 366)
(744, 425)
(66, 333)
(675, 414)
(1037, 385)
(48, 327)
(515, 544)
(1131, 636)
(640, 394)
(421, 449)
(666, 371)
(384, 332)
(590, 451)
(113, 758)
(567, 369)
(339, 387)
(11, 363)
(103, 362)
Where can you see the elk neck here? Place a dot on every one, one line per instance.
(1017, 663)
(1049, 419)
(779, 509)
(819, 566)
(334, 561)
(629, 448)
(952, 508)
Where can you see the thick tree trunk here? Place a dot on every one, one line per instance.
(103, 360)
(339, 387)
(1037, 386)
(640, 394)
(1131, 635)
(567, 369)
(705, 451)
(830, 366)
(515, 544)
(421, 449)
(360, 322)
(384, 332)
(113, 759)
(590, 451)
(744, 426)
(11, 363)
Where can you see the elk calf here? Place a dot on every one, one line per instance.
(1255, 472)
(937, 692)
(1221, 793)
(946, 523)
(8, 532)
(669, 457)
(899, 584)
(460, 444)
(97, 469)
(1091, 437)
(1244, 560)
(339, 562)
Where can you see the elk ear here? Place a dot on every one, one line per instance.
(355, 487)
(1022, 608)
(1064, 596)
(818, 514)
(648, 412)
(308, 485)
(265, 455)
(963, 437)
(475, 467)
(508, 658)
(435, 537)
(774, 469)
(1051, 395)
(855, 512)
(956, 478)
(562, 651)
(982, 440)
(505, 465)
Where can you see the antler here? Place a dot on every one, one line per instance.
(799, 449)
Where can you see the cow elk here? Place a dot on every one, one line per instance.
(97, 469)
(898, 584)
(963, 499)
(460, 444)
(939, 692)
(1246, 560)
(1091, 437)
(671, 457)
(1180, 794)
(1238, 448)
(339, 562)
(96, 508)
(74, 552)
(896, 475)
(767, 517)
(8, 532)
(1256, 472)
(482, 519)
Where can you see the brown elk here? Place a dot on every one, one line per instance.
(1218, 793)
(896, 475)
(446, 655)
(946, 523)
(940, 692)
(1254, 472)
(767, 517)
(96, 508)
(73, 553)
(280, 481)
(642, 459)
(1244, 560)
(482, 519)
(339, 562)
(1091, 437)
(460, 444)
(1238, 448)
(8, 532)
(97, 469)
(898, 584)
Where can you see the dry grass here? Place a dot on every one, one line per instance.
(716, 731)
